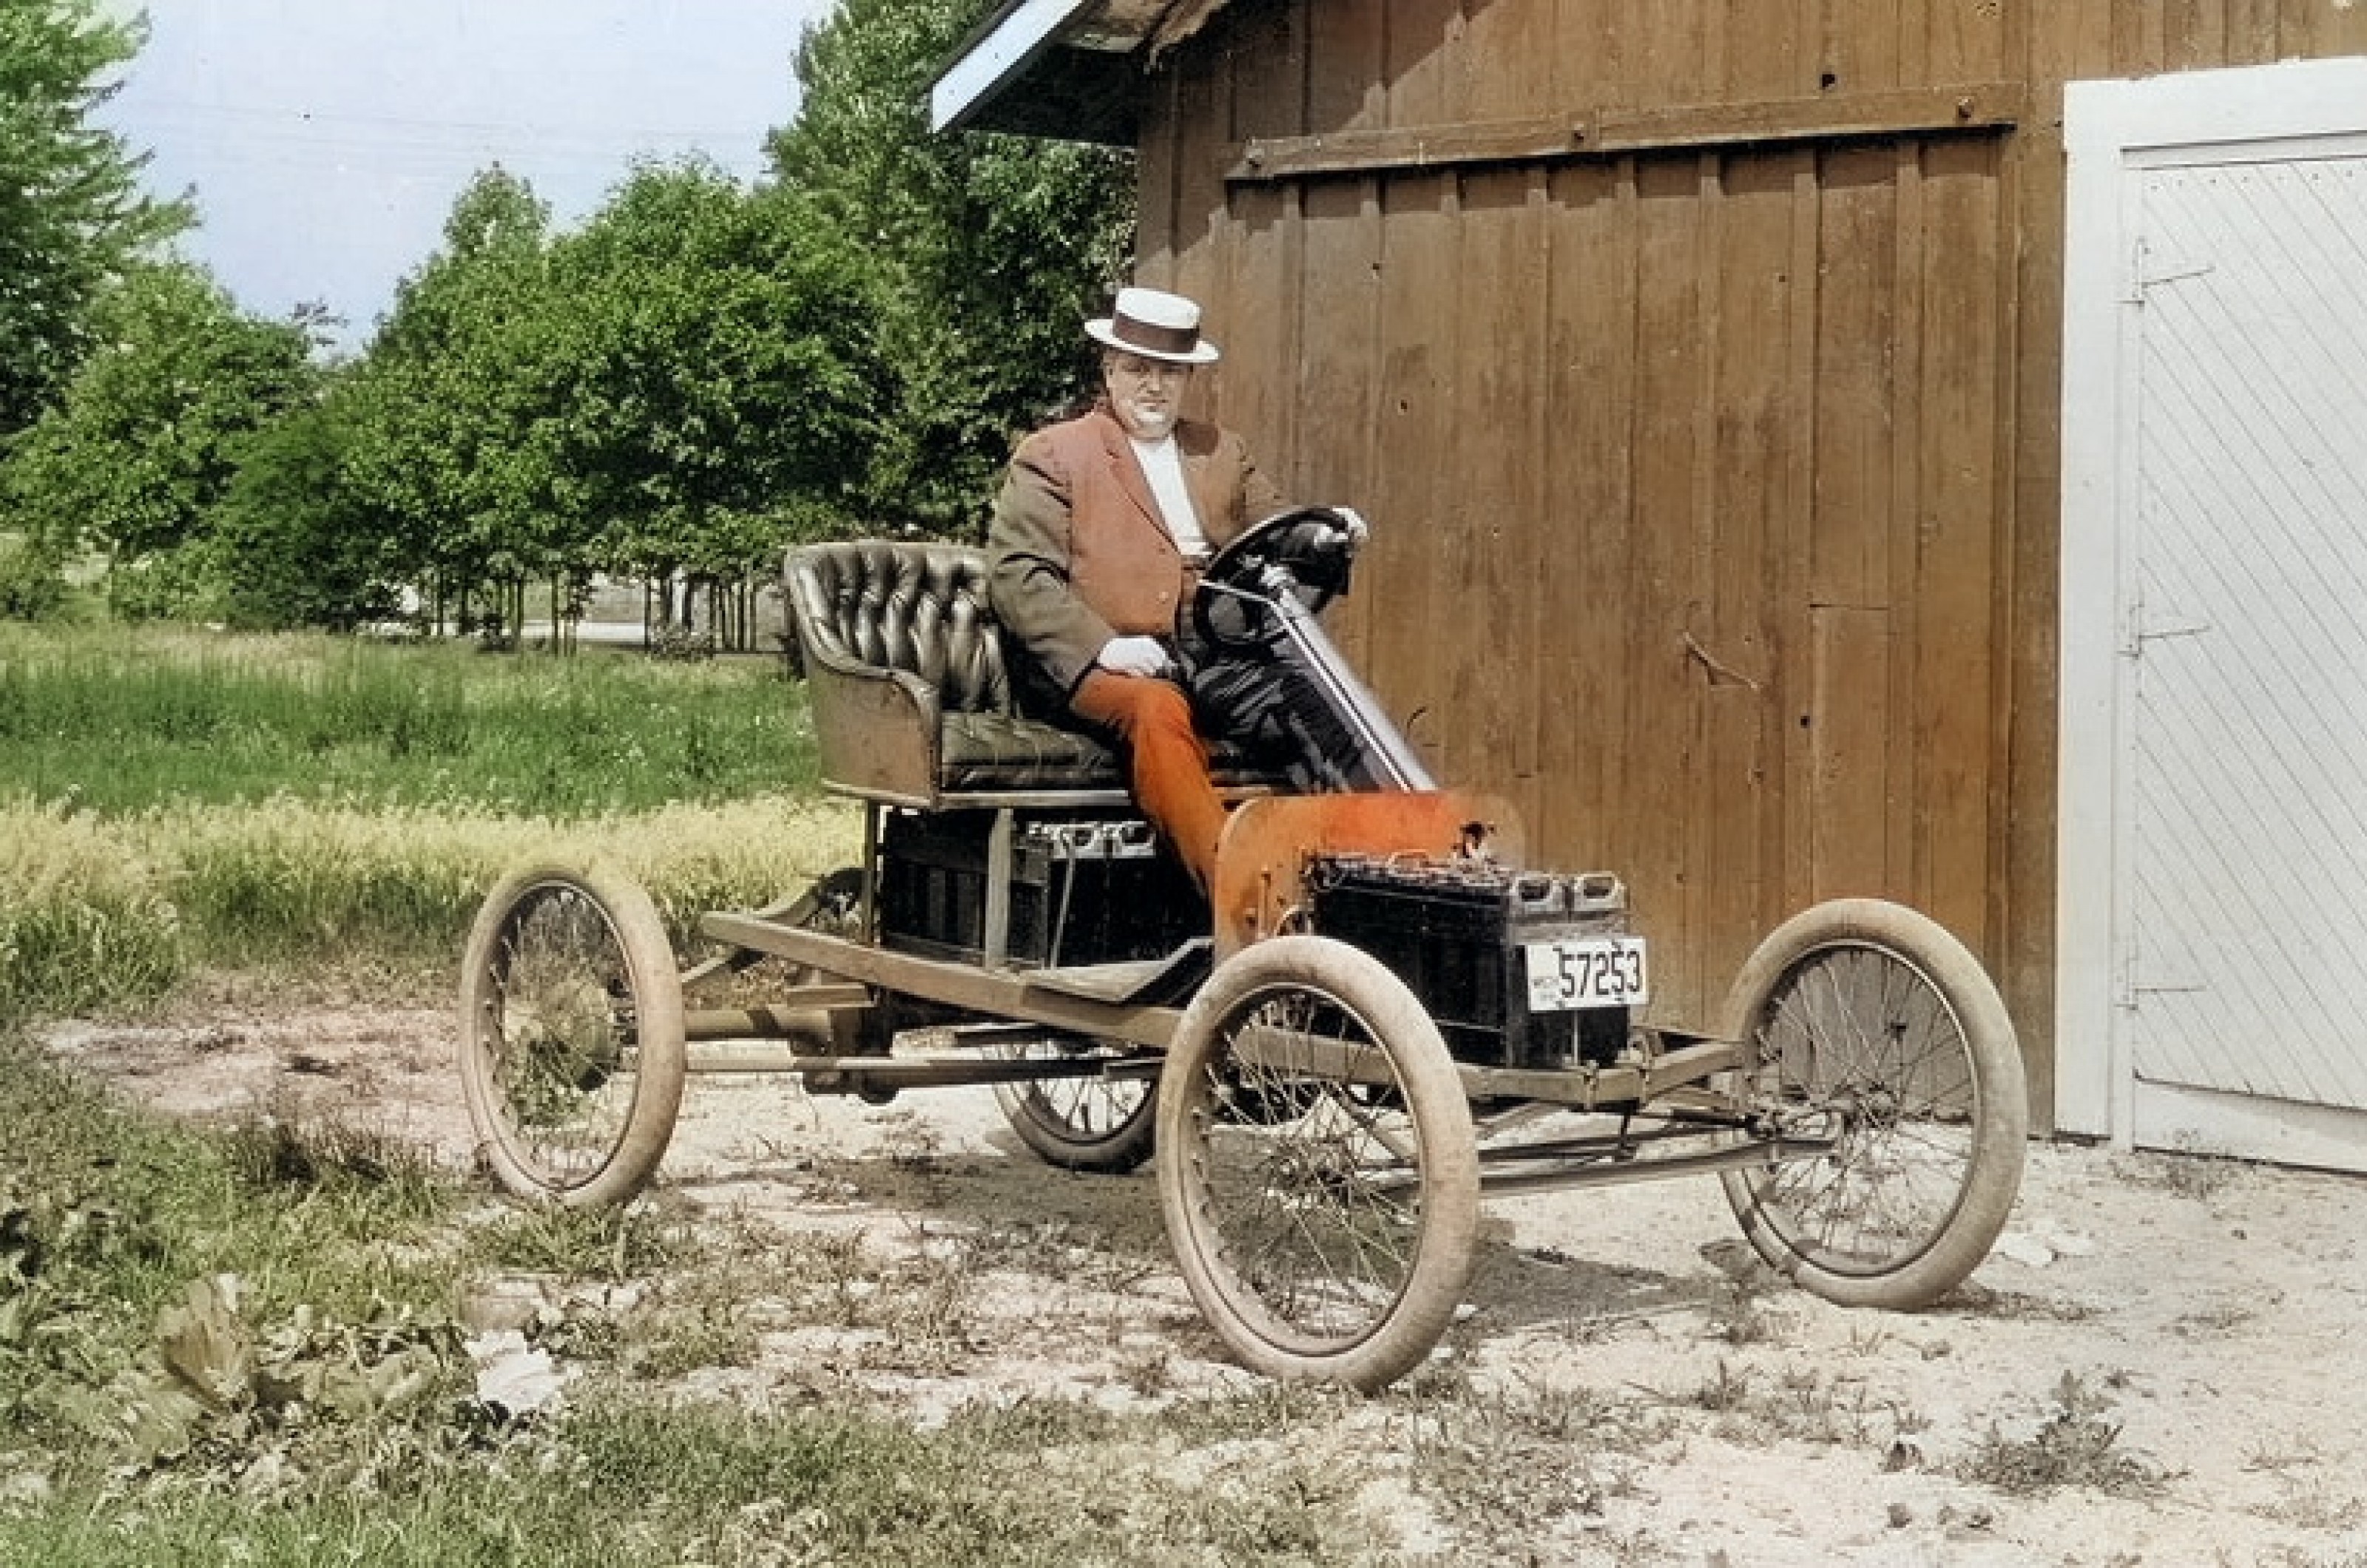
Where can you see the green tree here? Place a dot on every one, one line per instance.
(298, 542)
(152, 427)
(987, 250)
(71, 214)
(453, 419)
(719, 385)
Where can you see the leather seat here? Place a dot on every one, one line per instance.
(913, 700)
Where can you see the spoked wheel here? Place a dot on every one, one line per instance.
(1873, 1031)
(1316, 1164)
(571, 1035)
(1105, 1125)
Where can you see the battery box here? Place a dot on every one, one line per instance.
(1453, 929)
(1085, 889)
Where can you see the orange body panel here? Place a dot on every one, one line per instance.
(1262, 860)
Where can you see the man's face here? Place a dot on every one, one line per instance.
(1145, 394)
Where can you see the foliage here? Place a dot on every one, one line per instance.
(699, 375)
(299, 544)
(988, 250)
(33, 583)
(716, 373)
(152, 425)
(449, 443)
(71, 214)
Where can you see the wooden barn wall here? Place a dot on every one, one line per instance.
(1714, 484)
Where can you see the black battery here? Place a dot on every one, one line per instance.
(1456, 931)
(1085, 889)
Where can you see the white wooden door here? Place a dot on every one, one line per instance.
(2237, 609)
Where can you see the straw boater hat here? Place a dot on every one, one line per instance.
(1156, 325)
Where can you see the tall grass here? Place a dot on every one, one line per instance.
(97, 912)
(172, 800)
(115, 719)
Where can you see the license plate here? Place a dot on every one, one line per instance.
(1588, 972)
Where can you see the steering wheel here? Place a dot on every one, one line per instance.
(1303, 552)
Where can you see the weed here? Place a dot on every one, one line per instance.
(1521, 1461)
(1738, 1312)
(2184, 1173)
(628, 1242)
(2075, 1446)
(279, 1148)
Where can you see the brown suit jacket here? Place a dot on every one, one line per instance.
(1077, 553)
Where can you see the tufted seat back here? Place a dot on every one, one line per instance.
(920, 608)
(912, 698)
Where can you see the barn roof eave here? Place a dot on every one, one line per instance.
(1070, 70)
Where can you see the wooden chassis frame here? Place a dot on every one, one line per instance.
(1668, 1097)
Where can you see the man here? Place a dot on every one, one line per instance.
(1098, 535)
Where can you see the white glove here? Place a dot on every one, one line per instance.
(1353, 523)
(1143, 656)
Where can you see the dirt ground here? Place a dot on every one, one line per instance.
(2184, 1335)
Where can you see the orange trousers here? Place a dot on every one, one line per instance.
(1166, 759)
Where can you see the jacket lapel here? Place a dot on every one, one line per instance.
(1130, 480)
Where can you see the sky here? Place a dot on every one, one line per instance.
(325, 140)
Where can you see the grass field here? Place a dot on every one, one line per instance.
(120, 720)
(177, 800)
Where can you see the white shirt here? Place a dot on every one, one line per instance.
(1162, 464)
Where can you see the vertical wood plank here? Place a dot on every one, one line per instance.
(1407, 561)
(1850, 538)
(1259, 325)
(1771, 54)
(1589, 53)
(1850, 751)
(1902, 523)
(1346, 68)
(1659, 763)
(1861, 46)
(2140, 46)
(1671, 52)
(1424, 60)
(1856, 256)
(2194, 34)
(1586, 465)
(1498, 380)
(1204, 239)
(1958, 520)
(1155, 165)
(2251, 31)
(1759, 420)
(1509, 64)
(1339, 383)
(1794, 583)
(1966, 41)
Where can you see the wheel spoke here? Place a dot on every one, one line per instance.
(1859, 1041)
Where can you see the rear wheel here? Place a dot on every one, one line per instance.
(1871, 1030)
(1316, 1164)
(571, 1035)
(1101, 1124)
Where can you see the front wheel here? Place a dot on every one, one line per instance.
(1876, 1041)
(571, 1035)
(1316, 1164)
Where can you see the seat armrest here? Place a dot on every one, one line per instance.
(877, 730)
